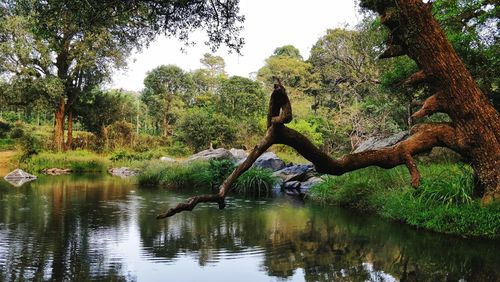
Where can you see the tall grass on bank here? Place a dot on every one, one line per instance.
(442, 203)
(206, 175)
(78, 161)
(256, 182)
(175, 176)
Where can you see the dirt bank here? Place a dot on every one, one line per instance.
(6, 158)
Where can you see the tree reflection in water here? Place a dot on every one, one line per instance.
(74, 228)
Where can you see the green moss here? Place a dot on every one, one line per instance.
(443, 203)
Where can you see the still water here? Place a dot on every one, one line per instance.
(103, 228)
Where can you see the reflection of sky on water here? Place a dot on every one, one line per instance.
(137, 262)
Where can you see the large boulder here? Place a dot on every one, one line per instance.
(239, 155)
(295, 172)
(123, 172)
(374, 143)
(270, 161)
(18, 177)
(306, 185)
(212, 154)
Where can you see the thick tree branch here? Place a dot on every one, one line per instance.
(392, 51)
(429, 107)
(423, 138)
(417, 78)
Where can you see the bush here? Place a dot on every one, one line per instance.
(219, 170)
(199, 128)
(86, 141)
(16, 132)
(5, 127)
(119, 134)
(28, 145)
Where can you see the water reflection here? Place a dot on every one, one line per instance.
(97, 227)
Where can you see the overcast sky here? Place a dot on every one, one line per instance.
(269, 24)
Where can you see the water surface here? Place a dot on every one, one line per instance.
(98, 227)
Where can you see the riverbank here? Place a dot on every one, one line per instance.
(6, 157)
(443, 202)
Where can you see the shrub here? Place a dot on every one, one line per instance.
(86, 141)
(16, 132)
(199, 128)
(28, 145)
(119, 134)
(5, 127)
(219, 170)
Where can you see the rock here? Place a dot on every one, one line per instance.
(167, 160)
(374, 143)
(295, 172)
(123, 172)
(19, 177)
(56, 171)
(239, 155)
(212, 154)
(270, 161)
(306, 185)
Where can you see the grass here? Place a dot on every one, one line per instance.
(175, 176)
(206, 175)
(256, 182)
(78, 161)
(443, 203)
(7, 144)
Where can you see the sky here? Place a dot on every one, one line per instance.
(269, 24)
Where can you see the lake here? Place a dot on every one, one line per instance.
(99, 227)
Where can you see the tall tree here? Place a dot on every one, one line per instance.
(80, 41)
(287, 63)
(164, 88)
(214, 64)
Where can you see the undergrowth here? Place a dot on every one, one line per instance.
(442, 203)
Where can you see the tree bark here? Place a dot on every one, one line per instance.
(59, 126)
(476, 122)
(69, 140)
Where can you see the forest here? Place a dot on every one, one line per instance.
(421, 77)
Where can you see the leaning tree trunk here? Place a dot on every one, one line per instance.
(415, 32)
(59, 126)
